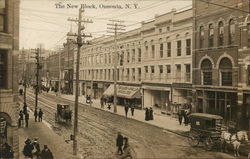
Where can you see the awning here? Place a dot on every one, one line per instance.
(124, 91)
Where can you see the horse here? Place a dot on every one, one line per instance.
(235, 140)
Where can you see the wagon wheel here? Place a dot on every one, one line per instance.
(208, 143)
(193, 139)
(56, 119)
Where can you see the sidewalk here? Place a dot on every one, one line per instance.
(46, 136)
(160, 120)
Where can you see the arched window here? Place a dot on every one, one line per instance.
(231, 32)
(221, 34)
(202, 33)
(3, 11)
(206, 68)
(226, 72)
(211, 35)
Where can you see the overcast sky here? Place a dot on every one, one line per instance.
(42, 22)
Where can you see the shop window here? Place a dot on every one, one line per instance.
(179, 48)
(206, 67)
(3, 68)
(201, 39)
(221, 34)
(226, 72)
(169, 49)
(231, 37)
(188, 46)
(211, 35)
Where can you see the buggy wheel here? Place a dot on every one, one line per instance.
(208, 143)
(193, 140)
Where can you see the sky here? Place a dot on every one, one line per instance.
(46, 22)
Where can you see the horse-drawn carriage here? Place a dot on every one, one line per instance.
(206, 129)
(63, 113)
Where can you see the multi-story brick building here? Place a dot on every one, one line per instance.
(154, 63)
(220, 60)
(9, 45)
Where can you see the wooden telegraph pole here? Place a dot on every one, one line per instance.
(79, 45)
(116, 25)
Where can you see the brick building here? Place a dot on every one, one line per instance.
(9, 45)
(220, 67)
(154, 63)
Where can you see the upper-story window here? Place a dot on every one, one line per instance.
(121, 58)
(231, 37)
(146, 69)
(152, 69)
(206, 68)
(248, 35)
(139, 54)
(161, 50)
(211, 35)
(160, 69)
(226, 72)
(2, 15)
(146, 49)
(128, 56)
(188, 46)
(133, 55)
(179, 48)
(169, 49)
(202, 34)
(3, 68)
(153, 51)
(221, 34)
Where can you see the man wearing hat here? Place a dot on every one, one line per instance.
(28, 148)
(46, 153)
(37, 147)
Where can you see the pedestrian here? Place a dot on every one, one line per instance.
(109, 106)
(46, 153)
(20, 120)
(185, 117)
(28, 148)
(35, 114)
(36, 145)
(126, 149)
(151, 114)
(7, 152)
(25, 108)
(26, 117)
(102, 102)
(126, 110)
(40, 115)
(147, 114)
(180, 116)
(132, 109)
(119, 143)
(105, 100)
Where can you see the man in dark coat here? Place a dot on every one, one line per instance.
(151, 114)
(146, 114)
(7, 152)
(132, 109)
(126, 110)
(28, 148)
(46, 153)
(37, 147)
(40, 115)
(102, 102)
(20, 120)
(35, 114)
(119, 143)
(26, 117)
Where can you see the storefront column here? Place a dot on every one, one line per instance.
(239, 108)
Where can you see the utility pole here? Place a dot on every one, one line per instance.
(116, 25)
(59, 79)
(91, 86)
(37, 51)
(79, 45)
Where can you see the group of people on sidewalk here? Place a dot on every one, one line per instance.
(32, 149)
(123, 147)
(126, 108)
(38, 114)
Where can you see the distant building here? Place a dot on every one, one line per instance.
(9, 45)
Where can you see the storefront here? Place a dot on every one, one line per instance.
(125, 94)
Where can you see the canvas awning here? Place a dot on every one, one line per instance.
(124, 91)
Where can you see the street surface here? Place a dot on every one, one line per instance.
(98, 130)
